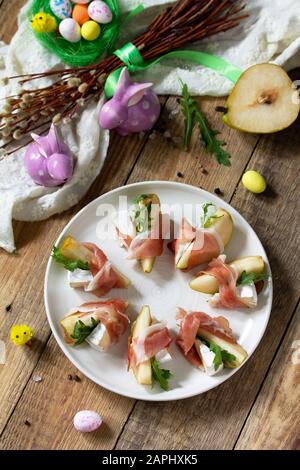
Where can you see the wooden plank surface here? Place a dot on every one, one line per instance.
(274, 421)
(214, 420)
(226, 417)
(25, 292)
(115, 172)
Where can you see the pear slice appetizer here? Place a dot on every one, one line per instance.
(142, 372)
(223, 226)
(103, 338)
(148, 263)
(233, 348)
(208, 284)
(263, 101)
(68, 323)
(73, 250)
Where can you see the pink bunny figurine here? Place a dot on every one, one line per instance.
(49, 160)
(133, 108)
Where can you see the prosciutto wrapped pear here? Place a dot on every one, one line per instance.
(233, 285)
(195, 246)
(142, 236)
(148, 338)
(88, 267)
(208, 343)
(101, 324)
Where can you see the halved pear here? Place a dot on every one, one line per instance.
(263, 101)
(223, 225)
(142, 372)
(208, 284)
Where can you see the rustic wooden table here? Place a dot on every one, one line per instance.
(259, 408)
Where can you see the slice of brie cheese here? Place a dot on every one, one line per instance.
(249, 294)
(99, 338)
(80, 278)
(207, 356)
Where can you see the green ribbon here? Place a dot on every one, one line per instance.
(123, 23)
(133, 60)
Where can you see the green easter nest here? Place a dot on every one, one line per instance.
(83, 52)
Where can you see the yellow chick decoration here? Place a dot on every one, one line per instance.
(21, 334)
(43, 23)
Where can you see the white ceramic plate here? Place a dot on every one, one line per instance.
(164, 290)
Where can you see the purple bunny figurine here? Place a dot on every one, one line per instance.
(49, 160)
(133, 108)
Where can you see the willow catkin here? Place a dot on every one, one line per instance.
(185, 22)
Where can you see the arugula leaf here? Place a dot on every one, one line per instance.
(227, 357)
(68, 264)
(161, 376)
(211, 143)
(206, 219)
(192, 116)
(221, 355)
(251, 278)
(82, 331)
(188, 109)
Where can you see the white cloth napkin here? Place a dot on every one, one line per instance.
(270, 34)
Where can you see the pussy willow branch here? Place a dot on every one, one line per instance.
(186, 22)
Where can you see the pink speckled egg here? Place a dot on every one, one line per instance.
(87, 421)
(100, 12)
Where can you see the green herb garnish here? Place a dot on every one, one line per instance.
(142, 214)
(227, 357)
(161, 376)
(141, 198)
(251, 278)
(206, 219)
(221, 355)
(82, 331)
(68, 264)
(193, 116)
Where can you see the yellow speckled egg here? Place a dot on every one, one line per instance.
(254, 181)
(90, 30)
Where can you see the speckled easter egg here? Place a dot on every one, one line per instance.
(90, 30)
(87, 421)
(70, 30)
(80, 14)
(100, 12)
(61, 8)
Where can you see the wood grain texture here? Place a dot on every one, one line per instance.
(245, 411)
(164, 159)
(214, 420)
(274, 421)
(9, 13)
(50, 405)
(21, 278)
